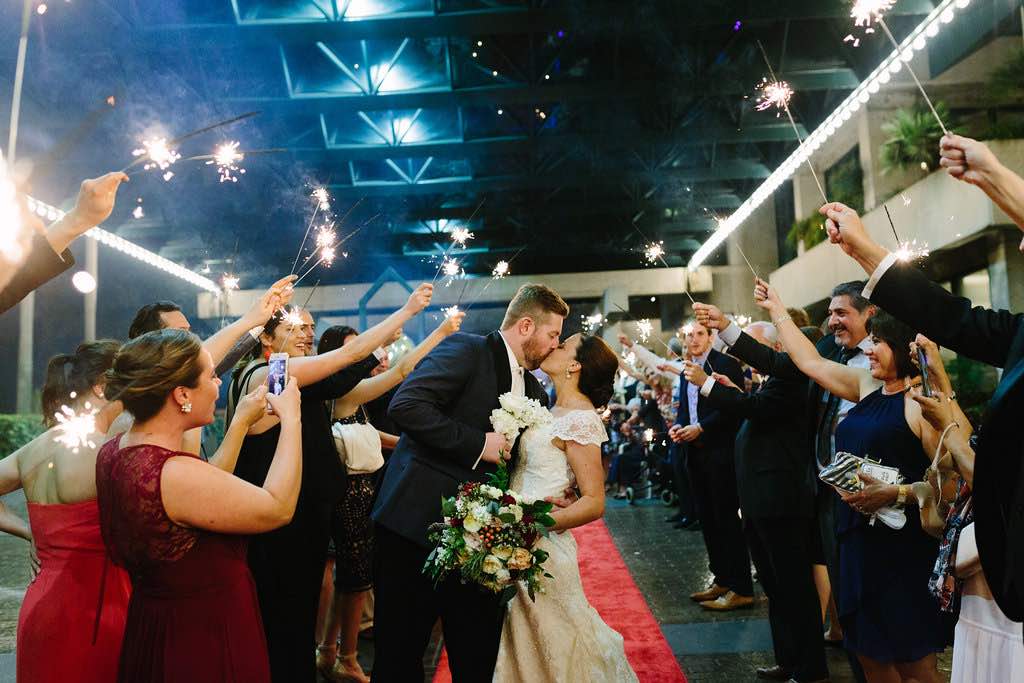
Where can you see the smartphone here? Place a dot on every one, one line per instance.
(277, 373)
(922, 360)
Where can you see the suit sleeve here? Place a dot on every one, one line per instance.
(41, 265)
(341, 382)
(419, 407)
(719, 420)
(242, 347)
(765, 360)
(948, 320)
(763, 405)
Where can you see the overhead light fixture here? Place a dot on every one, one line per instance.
(102, 236)
(939, 18)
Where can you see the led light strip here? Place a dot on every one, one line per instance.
(891, 65)
(52, 213)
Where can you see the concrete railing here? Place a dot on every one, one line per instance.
(937, 210)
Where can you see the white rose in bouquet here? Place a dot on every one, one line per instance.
(471, 524)
(514, 510)
(492, 492)
(503, 576)
(472, 541)
(492, 565)
(502, 552)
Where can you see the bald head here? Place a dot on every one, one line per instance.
(764, 332)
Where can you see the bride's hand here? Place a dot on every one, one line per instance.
(569, 496)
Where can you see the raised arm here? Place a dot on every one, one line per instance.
(843, 381)
(248, 412)
(758, 356)
(972, 162)
(197, 495)
(905, 292)
(375, 387)
(312, 369)
(226, 339)
(648, 358)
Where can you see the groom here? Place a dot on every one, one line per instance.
(443, 411)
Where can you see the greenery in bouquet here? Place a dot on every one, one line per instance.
(490, 536)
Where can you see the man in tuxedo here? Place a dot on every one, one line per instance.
(775, 478)
(708, 435)
(443, 410)
(993, 337)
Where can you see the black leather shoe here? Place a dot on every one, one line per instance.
(683, 523)
(774, 673)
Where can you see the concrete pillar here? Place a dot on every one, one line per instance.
(92, 264)
(1006, 271)
(26, 323)
(879, 185)
(612, 300)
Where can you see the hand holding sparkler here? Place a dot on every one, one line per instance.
(845, 228)
(968, 160)
(419, 299)
(277, 296)
(452, 322)
(694, 374)
(96, 198)
(625, 341)
(768, 299)
(710, 316)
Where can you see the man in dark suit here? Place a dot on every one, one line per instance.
(994, 337)
(443, 410)
(48, 254)
(775, 477)
(708, 437)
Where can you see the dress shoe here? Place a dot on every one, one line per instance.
(710, 593)
(674, 519)
(728, 602)
(773, 673)
(683, 523)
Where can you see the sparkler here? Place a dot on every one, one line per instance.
(451, 310)
(779, 96)
(325, 236)
(74, 430)
(444, 256)
(500, 270)
(639, 322)
(592, 322)
(327, 255)
(644, 328)
(648, 435)
(137, 212)
(226, 157)
(687, 329)
(323, 199)
(912, 251)
(229, 282)
(864, 12)
(655, 252)
(460, 236)
(156, 153)
(324, 253)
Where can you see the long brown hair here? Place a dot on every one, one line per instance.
(598, 364)
(150, 367)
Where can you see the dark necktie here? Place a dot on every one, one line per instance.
(829, 415)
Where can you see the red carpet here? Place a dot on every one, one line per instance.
(611, 590)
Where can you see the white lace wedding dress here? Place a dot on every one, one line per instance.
(560, 637)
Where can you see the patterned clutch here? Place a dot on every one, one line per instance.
(844, 472)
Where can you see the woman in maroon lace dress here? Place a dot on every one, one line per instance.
(179, 524)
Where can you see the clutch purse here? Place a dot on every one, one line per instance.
(844, 474)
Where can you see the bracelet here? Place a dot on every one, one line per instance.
(782, 319)
(901, 495)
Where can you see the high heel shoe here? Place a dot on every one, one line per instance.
(326, 659)
(347, 670)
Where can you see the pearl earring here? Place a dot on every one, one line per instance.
(568, 375)
(186, 407)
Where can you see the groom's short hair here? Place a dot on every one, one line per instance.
(534, 301)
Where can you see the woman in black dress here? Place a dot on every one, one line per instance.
(889, 617)
(287, 564)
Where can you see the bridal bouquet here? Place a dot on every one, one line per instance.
(490, 533)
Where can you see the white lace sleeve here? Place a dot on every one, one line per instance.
(582, 426)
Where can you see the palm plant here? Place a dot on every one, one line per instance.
(913, 138)
(810, 231)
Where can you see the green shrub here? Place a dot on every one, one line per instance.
(810, 231)
(18, 430)
(913, 138)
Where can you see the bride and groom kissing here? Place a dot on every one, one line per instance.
(443, 410)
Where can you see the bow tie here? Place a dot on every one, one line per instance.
(849, 354)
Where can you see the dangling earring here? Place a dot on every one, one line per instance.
(568, 375)
(186, 407)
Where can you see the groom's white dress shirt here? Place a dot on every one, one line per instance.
(518, 383)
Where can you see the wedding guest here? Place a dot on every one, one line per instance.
(993, 337)
(78, 598)
(360, 446)
(889, 619)
(288, 563)
(180, 525)
(48, 254)
(776, 482)
(707, 436)
(800, 317)
(987, 645)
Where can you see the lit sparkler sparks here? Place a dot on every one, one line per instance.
(912, 251)
(774, 94)
(630, 358)
(11, 237)
(866, 12)
(159, 154)
(226, 157)
(644, 328)
(742, 320)
(451, 268)
(500, 270)
(460, 236)
(323, 199)
(327, 255)
(592, 322)
(229, 282)
(293, 317)
(74, 429)
(687, 329)
(451, 311)
(648, 435)
(654, 252)
(326, 236)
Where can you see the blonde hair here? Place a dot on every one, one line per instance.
(150, 367)
(534, 301)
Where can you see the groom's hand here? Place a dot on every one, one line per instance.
(496, 448)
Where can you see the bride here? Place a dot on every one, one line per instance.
(560, 637)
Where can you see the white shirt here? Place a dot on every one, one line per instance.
(518, 383)
(693, 391)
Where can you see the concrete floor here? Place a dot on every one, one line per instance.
(667, 565)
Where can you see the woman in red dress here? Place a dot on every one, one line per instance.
(79, 598)
(179, 524)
